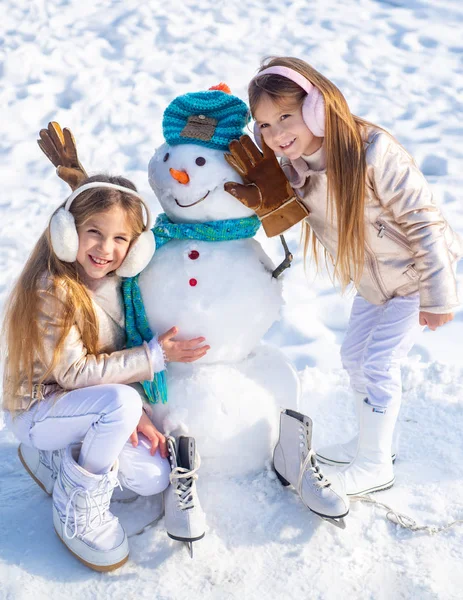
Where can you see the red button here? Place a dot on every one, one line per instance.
(194, 254)
(193, 282)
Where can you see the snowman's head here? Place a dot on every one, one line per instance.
(188, 173)
(188, 181)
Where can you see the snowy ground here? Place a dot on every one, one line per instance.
(107, 70)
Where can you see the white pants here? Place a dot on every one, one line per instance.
(102, 417)
(378, 338)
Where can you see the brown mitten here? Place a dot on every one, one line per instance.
(266, 189)
(60, 148)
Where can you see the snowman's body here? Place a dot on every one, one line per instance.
(220, 290)
(224, 291)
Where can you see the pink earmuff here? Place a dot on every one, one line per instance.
(313, 107)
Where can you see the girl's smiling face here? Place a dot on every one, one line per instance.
(104, 240)
(283, 128)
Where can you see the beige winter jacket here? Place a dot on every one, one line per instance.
(77, 368)
(409, 245)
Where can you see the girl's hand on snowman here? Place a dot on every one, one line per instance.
(155, 437)
(60, 148)
(266, 189)
(181, 350)
(434, 321)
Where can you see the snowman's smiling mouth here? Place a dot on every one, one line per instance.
(193, 203)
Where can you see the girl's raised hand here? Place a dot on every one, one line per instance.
(181, 351)
(434, 321)
(266, 189)
(155, 437)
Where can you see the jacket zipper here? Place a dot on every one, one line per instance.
(391, 234)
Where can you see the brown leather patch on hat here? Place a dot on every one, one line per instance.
(199, 127)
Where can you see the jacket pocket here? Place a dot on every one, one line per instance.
(386, 230)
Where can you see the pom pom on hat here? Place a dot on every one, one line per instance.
(211, 118)
(223, 87)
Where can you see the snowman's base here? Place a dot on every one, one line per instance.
(232, 410)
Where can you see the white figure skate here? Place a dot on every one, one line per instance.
(184, 517)
(295, 464)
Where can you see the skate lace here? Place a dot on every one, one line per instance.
(98, 499)
(404, 520)
(182, 480)
(310, 466)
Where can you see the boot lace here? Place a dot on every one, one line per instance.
(182, 480)
(88, 519)
(404, 520)
(310, 465)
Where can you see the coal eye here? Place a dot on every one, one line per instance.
(166, 157)
(200, 161)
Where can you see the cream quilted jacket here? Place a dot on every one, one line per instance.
(77, 368)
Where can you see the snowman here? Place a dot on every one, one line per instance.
(210, 278)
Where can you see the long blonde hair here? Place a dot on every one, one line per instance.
(21, 328)
(345, 161)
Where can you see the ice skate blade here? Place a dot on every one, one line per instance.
(336, 521)
(187, 541)
(340, 523)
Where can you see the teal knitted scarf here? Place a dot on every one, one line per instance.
(136, 323)
(213, 231)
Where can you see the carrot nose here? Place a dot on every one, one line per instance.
(180, 176)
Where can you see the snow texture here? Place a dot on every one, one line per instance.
(107, 70)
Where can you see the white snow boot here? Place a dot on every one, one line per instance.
(42, 465)
(81, 514)
(371, 469)
(184, 518)
(295, 464)
(340, 455)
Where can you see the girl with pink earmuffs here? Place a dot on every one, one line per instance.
(361, 197)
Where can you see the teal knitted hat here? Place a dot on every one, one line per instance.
(213, 118)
